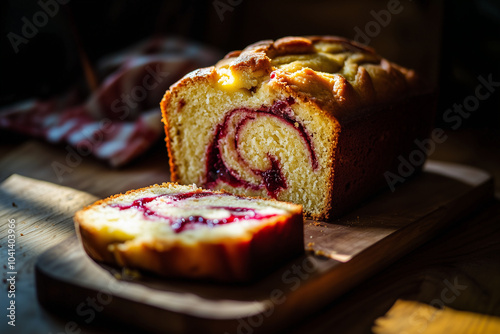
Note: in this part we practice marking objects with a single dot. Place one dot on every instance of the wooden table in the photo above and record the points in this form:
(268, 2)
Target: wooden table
(468, 254)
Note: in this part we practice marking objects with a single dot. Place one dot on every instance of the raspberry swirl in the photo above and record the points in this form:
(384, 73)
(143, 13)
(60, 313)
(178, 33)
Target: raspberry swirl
(228, 159)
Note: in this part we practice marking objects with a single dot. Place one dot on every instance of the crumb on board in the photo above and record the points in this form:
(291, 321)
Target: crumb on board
(131, 273)
(127, 274)
(22, 234)
(321, 253)
(14, 204)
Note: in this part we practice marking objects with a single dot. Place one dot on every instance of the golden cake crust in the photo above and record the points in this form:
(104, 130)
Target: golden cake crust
(358, 77)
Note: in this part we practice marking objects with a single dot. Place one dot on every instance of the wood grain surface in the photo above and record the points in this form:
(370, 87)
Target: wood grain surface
(43, 213)
(466, 251)
(466, 255)
(352, 248)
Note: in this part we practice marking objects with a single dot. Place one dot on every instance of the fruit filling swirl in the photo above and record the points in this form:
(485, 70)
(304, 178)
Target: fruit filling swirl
(187, 211)
(228, 138)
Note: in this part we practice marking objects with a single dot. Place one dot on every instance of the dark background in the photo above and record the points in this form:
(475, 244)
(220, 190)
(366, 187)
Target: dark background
(449, 42)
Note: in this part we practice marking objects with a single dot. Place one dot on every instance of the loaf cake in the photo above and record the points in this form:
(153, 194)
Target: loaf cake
(309, 120)
(188, 232)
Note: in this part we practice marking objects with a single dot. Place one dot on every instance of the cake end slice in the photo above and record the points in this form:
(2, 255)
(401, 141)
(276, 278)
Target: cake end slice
(187, 232)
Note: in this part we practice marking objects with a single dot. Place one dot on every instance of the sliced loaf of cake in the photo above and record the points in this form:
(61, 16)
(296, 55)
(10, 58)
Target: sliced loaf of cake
(309, 120)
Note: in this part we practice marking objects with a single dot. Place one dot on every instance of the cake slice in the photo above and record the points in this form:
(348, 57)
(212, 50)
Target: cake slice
(188, 232)
(315, 121)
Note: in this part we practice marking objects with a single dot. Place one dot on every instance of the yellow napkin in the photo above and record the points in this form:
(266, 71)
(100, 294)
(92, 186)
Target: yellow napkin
(409, 317)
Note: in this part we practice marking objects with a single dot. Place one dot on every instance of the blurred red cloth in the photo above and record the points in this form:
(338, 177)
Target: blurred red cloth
(121, 119)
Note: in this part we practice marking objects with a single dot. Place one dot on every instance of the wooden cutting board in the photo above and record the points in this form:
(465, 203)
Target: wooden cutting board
(340, 255)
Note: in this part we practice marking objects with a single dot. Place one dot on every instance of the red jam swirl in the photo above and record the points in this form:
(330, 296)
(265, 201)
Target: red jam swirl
(180, 224)
(273, 179)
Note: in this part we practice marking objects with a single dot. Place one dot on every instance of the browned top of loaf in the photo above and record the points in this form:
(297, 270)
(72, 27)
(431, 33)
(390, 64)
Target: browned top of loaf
(339, 75)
